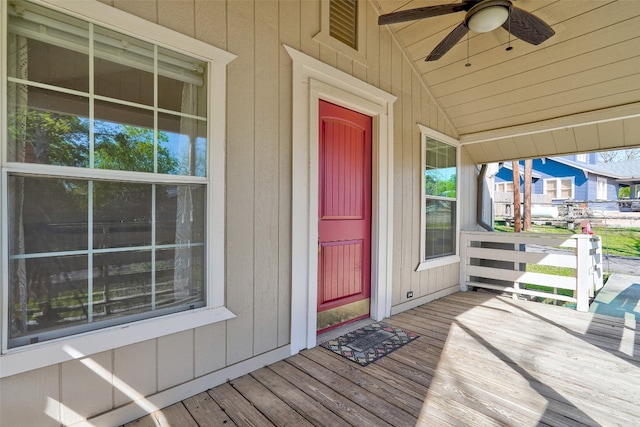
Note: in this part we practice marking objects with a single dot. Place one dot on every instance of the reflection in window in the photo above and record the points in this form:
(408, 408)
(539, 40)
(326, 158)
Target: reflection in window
(125, 125)
(89, 250)
(131, 258)
(440, 198)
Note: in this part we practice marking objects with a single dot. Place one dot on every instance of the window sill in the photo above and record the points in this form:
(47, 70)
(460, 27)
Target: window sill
(438, 262)
(36, 356)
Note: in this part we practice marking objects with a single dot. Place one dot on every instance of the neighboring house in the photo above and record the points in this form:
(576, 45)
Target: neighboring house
(563, 179)
(173, 173)
(623, 174)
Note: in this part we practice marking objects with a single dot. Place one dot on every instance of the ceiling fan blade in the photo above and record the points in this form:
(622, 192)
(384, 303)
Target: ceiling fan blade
(448, 42)
(423, 12)
(527, 27)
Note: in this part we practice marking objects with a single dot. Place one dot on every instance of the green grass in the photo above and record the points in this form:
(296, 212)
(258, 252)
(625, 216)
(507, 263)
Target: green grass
(623, 241)
(557, 271)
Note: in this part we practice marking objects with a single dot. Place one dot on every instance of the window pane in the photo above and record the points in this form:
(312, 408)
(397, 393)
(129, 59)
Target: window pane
(47, 127)
(183, 140)
(49, 50)
(551, 188)
(180, 277)
(181, 83)
(122, 284)
(46, 294)
(440, 169)
(123, 67)
(124, 138)
(565, 191)
(180, 218)
(122, 214)
(601, 188)
(56, 222)
(440, 228)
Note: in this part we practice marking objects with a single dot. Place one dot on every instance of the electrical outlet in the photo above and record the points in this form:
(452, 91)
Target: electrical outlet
(410, 294)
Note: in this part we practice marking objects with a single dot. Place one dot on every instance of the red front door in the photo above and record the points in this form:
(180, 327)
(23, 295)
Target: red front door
(344, 216)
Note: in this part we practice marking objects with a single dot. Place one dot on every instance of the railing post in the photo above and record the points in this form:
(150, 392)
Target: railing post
(584, 278)
(516, 267)
(464, 241)
(597, 264)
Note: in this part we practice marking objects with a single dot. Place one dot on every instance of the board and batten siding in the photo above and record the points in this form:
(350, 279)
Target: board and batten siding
(258, 215)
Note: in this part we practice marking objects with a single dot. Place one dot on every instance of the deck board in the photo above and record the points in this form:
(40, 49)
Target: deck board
(300, 401)
(481, 360)
(206, 412)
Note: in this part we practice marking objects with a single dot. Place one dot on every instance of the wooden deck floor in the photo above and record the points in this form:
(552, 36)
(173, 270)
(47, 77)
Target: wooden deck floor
(481, 360)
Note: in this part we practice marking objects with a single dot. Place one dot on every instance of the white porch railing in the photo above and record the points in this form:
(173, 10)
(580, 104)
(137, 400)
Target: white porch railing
(499, 261)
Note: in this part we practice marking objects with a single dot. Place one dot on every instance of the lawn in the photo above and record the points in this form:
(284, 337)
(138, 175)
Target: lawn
(624, 241)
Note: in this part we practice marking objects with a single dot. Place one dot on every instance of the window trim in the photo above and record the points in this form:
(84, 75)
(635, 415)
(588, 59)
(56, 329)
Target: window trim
(324, 37)
(25, 358)
(426, 264)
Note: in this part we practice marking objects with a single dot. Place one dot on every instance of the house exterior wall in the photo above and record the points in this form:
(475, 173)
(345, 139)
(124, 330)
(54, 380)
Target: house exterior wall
(585, 186)
(258, 231)
(611, 194)
(546, 170)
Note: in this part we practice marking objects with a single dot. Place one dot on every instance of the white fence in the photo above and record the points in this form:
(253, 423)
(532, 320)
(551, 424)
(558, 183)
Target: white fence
(499, 261)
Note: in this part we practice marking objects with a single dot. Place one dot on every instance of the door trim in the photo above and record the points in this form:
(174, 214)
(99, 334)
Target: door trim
(312, 81)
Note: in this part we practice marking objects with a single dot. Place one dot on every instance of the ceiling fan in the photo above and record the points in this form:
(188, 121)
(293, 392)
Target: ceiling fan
(482, 16)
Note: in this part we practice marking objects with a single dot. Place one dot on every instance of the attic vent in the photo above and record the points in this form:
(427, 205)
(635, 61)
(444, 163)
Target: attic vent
(343, 21)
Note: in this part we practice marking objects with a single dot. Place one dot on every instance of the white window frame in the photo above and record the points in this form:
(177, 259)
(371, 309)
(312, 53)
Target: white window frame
(558, 181)
(324, 37)
(601, 188)
(25, 358)
(447, 259)
(504, 184)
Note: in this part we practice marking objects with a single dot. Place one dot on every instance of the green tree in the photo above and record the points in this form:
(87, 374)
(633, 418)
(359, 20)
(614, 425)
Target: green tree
(63, 140)
(440, 182)
(50, 138)
(131, 148)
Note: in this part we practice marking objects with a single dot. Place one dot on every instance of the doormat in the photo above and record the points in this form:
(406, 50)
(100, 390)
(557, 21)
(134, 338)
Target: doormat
(370, 343)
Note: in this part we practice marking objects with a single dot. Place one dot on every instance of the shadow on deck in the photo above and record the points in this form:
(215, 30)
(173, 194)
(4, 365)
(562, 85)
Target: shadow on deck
(481, 360)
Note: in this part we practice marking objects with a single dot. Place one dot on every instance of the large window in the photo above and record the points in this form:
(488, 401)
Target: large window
(504, 187)
(107, 170)
(440, 198)
(558, 188)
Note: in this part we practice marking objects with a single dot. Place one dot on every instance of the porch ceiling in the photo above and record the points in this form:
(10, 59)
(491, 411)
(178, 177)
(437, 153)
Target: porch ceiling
(578, 91)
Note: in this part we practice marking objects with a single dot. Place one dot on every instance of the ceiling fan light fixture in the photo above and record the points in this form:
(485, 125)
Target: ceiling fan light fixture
(487, 16)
